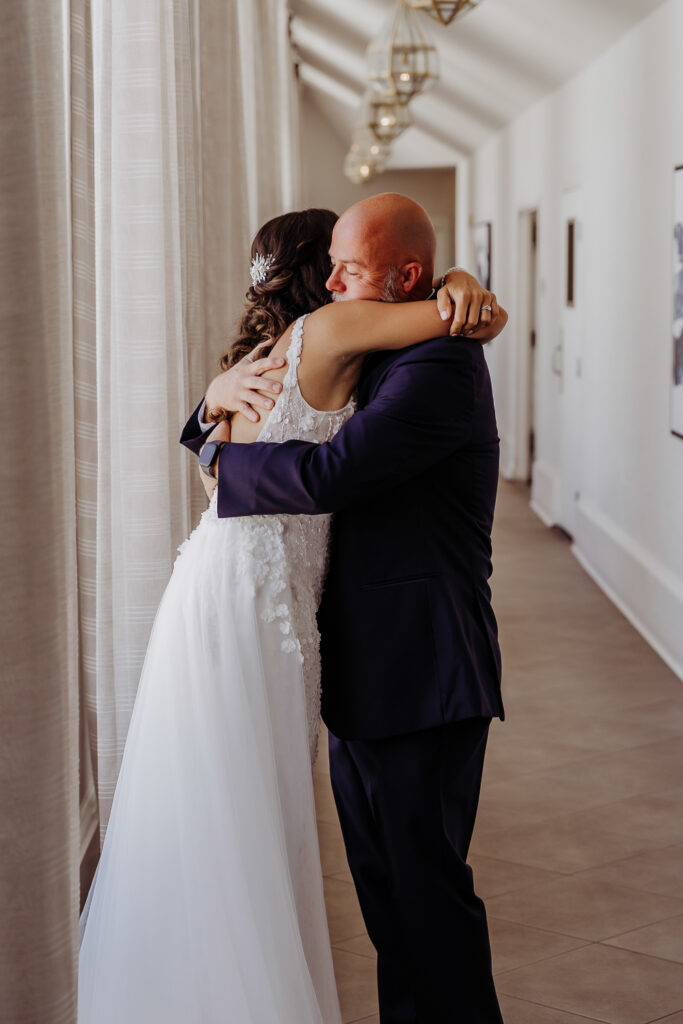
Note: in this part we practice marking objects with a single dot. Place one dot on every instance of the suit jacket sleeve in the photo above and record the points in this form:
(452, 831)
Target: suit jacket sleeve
(422, 412)
(193, 433)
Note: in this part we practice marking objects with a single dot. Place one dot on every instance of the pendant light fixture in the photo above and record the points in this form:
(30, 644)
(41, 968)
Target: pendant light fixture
(358, 170)
(401, 62)
(366, 144)
(444, 11)
(386, 118)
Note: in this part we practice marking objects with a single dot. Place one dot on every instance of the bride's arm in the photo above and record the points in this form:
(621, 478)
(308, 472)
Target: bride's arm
(356, 326)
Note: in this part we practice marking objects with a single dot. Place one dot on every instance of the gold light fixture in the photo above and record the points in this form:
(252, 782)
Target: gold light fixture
(386, 118)
(358, 169)
(401, 62)
(444, 11)
(369, 148)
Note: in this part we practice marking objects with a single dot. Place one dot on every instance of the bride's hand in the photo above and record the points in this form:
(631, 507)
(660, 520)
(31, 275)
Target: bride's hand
(239, 388)
(462, 298)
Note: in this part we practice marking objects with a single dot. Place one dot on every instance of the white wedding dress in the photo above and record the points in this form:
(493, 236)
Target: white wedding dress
(207, 903)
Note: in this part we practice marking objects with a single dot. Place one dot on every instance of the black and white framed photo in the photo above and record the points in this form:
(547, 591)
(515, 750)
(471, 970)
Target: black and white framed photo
(482, 253)
(677, 332)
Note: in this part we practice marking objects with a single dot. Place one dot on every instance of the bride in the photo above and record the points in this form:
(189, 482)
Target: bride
(207, 903)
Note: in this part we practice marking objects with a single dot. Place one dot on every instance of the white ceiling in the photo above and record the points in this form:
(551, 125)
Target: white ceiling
(496, 61)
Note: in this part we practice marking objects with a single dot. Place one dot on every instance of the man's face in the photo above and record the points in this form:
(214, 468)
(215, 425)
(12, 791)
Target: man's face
(356, 272)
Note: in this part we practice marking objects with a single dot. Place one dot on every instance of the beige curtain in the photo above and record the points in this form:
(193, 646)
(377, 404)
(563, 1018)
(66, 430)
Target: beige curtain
(39, 826)
(143, 142)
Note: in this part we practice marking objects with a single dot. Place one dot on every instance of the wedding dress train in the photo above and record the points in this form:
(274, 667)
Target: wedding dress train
(207, 903)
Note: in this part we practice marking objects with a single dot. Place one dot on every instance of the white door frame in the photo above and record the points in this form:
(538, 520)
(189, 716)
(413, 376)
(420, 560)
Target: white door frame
(527, 320)
(569, 361)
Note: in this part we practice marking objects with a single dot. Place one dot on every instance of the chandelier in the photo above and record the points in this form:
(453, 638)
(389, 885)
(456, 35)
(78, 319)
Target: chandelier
(444, 11)
(386, 118)
(366, 157)
(358, 170)
(401, 62)
(366, 144)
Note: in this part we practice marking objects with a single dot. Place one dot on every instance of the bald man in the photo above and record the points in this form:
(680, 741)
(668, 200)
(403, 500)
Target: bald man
(410, 658)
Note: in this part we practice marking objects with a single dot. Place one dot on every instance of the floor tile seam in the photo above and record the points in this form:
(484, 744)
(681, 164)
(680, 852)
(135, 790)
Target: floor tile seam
(534, 928)
(644, 927)
(364, 956)
(638, 952)
(541, 960)
(586, 940)
(587, 753)
(571, 814)
(557, 818)
(549, 1006)
(627, 885)
(579, 872)
(650, 956)
(555, 774)
(601, 940)
(350, 938)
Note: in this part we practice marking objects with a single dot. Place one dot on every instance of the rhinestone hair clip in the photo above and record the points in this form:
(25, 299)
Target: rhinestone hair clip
(260, 265)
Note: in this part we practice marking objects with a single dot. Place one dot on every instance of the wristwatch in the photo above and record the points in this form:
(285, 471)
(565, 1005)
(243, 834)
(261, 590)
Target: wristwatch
(208, 456)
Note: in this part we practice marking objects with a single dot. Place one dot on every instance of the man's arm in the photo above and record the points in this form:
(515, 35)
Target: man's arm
(194, 433)
(243, 388)
(422, 414)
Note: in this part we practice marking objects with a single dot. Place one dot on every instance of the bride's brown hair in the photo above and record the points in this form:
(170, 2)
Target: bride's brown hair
(294, 282)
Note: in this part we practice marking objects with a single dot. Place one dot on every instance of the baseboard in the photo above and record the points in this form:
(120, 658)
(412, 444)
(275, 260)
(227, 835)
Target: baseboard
(507, 459)
(643, 589)
(543, 493)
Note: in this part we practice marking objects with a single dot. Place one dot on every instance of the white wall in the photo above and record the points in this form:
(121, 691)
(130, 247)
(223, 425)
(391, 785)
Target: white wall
(616, 131)
(324, 183)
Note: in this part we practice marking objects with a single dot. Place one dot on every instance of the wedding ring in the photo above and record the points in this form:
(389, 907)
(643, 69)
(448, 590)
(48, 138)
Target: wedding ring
(486, 307)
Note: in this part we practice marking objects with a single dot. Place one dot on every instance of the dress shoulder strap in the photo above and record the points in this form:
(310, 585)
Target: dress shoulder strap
(293, 354)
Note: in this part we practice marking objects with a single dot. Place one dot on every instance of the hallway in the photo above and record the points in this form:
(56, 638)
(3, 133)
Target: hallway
(578, 849)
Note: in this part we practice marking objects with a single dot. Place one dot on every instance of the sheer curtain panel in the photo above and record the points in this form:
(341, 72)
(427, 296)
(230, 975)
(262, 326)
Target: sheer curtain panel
(184, 138)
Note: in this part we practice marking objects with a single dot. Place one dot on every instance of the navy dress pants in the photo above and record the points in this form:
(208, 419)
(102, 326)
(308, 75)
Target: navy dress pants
(407, 806)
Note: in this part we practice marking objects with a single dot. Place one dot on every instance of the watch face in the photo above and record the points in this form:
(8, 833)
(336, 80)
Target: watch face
(208, 453)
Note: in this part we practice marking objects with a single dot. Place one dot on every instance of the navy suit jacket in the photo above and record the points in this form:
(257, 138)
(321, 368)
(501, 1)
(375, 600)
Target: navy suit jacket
(408, 634)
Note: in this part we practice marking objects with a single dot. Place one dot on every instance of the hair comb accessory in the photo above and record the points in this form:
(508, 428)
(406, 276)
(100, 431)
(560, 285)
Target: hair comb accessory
(260, 265)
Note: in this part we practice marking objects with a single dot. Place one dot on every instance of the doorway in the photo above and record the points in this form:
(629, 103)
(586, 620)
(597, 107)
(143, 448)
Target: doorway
(569, 361)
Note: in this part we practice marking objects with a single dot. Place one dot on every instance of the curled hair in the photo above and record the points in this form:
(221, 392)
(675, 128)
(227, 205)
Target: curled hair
(295, 281)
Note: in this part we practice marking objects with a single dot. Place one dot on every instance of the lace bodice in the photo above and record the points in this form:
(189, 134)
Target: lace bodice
(285, 556)
(292, 417)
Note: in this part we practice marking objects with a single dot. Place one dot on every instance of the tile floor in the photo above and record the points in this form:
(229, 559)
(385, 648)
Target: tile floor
(578, 849)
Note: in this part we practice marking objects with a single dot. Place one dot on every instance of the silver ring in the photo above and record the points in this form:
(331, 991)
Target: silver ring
(487, 307)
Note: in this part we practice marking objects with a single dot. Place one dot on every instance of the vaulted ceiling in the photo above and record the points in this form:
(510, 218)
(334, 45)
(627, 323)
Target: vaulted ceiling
(496, 61)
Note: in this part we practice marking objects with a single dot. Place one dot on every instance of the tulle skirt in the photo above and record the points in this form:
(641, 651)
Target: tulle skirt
(207, 904)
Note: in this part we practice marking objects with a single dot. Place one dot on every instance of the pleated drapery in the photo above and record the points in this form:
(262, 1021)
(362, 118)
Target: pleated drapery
(39, 822)
(143, 143)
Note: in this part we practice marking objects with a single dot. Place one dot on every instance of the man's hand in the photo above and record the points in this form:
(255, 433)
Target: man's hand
(239, 388)
(461, 299)
(221, 432)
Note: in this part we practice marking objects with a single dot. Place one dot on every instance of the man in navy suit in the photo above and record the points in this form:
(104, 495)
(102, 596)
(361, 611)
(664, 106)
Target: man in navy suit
(410, 657)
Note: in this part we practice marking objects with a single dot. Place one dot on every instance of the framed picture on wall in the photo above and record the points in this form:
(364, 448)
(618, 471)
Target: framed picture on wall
(677, 332)
(482, 253)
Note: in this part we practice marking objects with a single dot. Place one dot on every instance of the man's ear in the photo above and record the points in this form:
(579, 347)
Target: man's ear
(411, 273)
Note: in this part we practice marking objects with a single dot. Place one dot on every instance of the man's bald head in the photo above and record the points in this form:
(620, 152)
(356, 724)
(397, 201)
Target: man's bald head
(385, 235)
